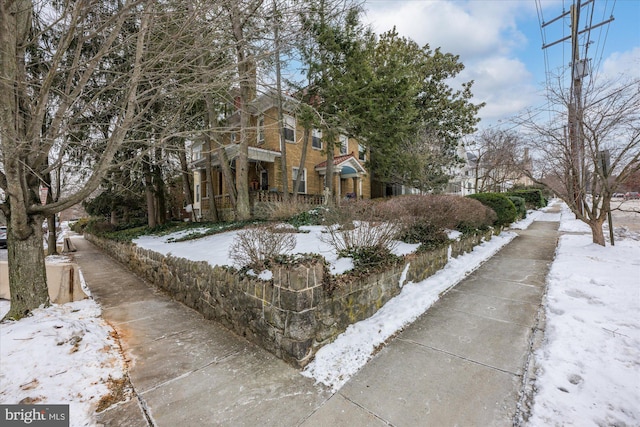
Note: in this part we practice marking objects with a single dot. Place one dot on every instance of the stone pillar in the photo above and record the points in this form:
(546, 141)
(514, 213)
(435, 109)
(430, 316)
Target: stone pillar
(297, 291)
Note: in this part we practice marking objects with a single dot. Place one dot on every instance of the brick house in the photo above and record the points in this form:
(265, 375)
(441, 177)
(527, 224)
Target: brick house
(350, 178)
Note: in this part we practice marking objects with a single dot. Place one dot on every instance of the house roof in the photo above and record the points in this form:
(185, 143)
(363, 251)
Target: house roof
(346, 165)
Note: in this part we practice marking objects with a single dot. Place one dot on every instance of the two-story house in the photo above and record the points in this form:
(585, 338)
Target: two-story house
(350, 178)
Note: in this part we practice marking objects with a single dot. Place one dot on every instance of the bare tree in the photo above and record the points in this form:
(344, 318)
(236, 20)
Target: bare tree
(76, 77)
(498, 160)
(609, 153)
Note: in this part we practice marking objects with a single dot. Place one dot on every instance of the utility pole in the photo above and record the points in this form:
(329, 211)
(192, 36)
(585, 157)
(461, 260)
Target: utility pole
(579, 70)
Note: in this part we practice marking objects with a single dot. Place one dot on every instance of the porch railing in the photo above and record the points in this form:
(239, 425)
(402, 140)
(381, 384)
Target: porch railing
(276, 197)
(223, 201)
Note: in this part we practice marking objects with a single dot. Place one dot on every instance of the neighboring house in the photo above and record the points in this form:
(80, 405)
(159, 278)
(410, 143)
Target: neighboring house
(463, 178)
(480, 175)
(350, 178)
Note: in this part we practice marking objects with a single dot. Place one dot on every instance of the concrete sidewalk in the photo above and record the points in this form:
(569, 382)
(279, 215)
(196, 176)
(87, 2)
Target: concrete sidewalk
(461, 363)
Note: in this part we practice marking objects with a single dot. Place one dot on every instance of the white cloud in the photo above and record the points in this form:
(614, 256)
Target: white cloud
(503, 83)
(484, 34)
(627, 63)
(469, 29)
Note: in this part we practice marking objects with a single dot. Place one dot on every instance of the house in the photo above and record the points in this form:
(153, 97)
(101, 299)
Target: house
(350, 178)
(463, 177)
(479, 174)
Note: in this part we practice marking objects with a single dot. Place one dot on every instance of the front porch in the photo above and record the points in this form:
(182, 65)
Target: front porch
(259, 200)
(265, 178)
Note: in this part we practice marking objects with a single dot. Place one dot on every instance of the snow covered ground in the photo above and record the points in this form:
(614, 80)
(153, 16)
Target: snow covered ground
(64, 354)
(589, 363)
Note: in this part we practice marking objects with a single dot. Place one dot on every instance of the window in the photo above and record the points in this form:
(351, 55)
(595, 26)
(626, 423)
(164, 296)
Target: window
(233, 137)
(362, 153)
(344, 144)
(316, 139)
(197, 152)
(303, 180)
(289, 129)
(260, 130)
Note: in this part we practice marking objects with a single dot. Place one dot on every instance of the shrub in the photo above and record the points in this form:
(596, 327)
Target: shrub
(356, 229)
(357, 235)
(429, 215)
(80, 225)
(428, 235)
(534, 197)
(365, 258)
(98, 226)
(521, 207)
(254, 246)
(310, 217)
(503, 207)
(282, 211)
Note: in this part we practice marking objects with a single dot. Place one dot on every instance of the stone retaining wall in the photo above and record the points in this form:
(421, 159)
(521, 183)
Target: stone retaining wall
(293, 314)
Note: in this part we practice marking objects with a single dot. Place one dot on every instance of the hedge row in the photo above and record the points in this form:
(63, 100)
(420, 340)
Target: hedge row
(521, 206)
(534, 198)
(500, 203)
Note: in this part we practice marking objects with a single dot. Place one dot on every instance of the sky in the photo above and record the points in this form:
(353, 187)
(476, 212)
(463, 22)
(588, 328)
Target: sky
(587, 363)
(500, 43)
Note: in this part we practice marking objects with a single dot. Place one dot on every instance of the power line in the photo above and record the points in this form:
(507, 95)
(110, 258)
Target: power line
(580, 42)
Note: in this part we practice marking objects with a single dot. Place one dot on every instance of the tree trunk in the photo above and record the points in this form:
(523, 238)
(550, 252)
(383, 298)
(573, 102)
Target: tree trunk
(329, 170)
(212, 213)
(303, 158)
(597, 234)
(243, 207)
(159, 188)
(283, 144)
(27, 272)
(227, 174)
(187, 188)
(222, 157)
(52, 248)
(247, 76)
(148, 191)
